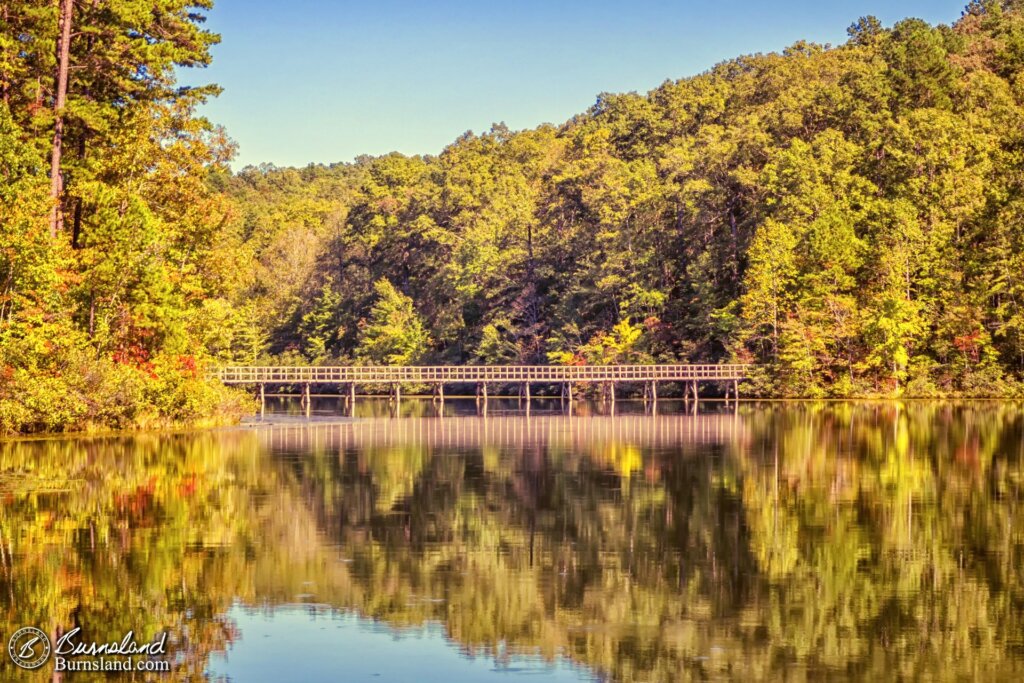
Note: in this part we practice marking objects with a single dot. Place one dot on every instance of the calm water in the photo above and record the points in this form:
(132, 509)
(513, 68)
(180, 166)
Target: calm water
(795, 542)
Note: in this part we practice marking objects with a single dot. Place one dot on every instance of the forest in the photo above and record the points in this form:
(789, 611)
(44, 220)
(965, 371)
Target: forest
(850, 218)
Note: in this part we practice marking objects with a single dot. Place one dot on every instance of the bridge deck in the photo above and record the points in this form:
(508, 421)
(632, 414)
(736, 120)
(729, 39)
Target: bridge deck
(454, 374)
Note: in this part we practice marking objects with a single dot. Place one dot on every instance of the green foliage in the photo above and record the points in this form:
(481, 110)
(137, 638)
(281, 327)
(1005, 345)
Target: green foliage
(110, 323)
(319, 327)
(394, 334)
(848, 216)
(495, 347)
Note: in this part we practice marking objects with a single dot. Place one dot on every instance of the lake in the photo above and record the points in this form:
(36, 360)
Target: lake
(781, 541)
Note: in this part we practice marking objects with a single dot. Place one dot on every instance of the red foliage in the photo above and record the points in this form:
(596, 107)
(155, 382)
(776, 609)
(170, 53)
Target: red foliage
(189, 366)
(133, 352)
(137, 357)
(968, 345)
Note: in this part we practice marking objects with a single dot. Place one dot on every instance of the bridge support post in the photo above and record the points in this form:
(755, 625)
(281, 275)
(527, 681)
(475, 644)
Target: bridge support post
(307, 399)
(481, 396)
(440, 392)
(263, 400)
(650, 392)
(736, 391)
(352, 399)
(398, 392)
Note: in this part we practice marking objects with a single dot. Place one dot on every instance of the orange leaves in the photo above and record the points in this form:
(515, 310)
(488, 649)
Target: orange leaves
(969, 344)
(189, 367)
(136, 356)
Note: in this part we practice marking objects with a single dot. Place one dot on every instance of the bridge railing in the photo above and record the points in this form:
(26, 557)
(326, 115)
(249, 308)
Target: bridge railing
(480, 373)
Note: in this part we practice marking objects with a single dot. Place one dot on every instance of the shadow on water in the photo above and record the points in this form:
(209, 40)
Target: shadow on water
(846, 541)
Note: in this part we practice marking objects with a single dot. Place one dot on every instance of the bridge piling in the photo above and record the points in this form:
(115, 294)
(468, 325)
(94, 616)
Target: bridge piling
(650, 392)
(481, 396)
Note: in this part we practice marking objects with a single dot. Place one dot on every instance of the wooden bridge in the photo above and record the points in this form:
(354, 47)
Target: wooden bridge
(484, 375)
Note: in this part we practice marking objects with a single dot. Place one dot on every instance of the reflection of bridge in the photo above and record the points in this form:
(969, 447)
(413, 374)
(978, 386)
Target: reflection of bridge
(482, 375)
(472, 432)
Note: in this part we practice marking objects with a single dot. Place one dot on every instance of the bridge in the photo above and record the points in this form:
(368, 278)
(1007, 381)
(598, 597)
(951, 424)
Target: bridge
(484, 375)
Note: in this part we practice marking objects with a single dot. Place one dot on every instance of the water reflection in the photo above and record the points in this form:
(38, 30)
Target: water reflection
(300, 643)
(844, 541)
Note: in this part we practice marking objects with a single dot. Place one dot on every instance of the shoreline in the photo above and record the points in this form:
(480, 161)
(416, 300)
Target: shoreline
(254, 421)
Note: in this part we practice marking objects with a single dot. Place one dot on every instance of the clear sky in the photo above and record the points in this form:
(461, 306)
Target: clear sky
(327, 80)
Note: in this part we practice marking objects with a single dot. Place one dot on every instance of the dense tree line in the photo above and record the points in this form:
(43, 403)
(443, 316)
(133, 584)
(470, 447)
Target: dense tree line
(848, 216)
(109, 230)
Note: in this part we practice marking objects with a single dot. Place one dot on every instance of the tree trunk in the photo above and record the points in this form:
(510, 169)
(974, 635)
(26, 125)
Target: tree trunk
(5, 90)
(61, 93)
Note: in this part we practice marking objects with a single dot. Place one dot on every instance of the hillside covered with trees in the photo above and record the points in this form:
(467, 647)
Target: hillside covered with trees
(851, 217)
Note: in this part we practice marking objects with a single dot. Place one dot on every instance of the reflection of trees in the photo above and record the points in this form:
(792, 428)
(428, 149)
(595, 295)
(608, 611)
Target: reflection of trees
(613, 553)
(899, 529)
(857, 540)
(116, 535)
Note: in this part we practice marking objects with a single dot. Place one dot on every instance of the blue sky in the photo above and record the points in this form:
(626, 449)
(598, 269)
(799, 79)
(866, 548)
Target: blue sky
(323, 81)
